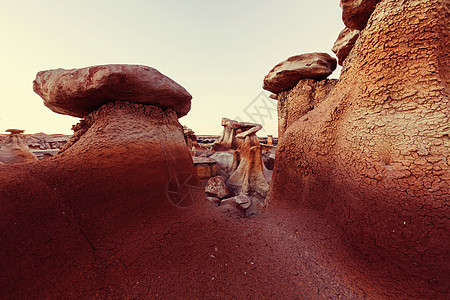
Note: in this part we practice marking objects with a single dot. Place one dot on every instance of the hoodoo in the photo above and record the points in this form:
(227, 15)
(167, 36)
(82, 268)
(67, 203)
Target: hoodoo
(15, 148)
(373, 154)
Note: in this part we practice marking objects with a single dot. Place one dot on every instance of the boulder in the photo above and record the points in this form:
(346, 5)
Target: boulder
(344, 43)
(356, 13)
(373, 155)
(216, 187)
(224, 160)
(14, 148)
(288, 73)
(78, 92)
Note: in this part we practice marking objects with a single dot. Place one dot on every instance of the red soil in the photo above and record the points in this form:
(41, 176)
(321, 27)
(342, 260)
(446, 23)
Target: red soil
(75, 231)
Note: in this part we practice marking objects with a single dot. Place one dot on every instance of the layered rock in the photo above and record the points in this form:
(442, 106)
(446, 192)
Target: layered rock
(345, 43)
(356, 13)
(14, 148)
(288, 73)
(373, 155)
(77, 92)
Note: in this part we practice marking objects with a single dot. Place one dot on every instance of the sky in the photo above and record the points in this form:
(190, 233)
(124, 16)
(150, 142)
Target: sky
(219, 51)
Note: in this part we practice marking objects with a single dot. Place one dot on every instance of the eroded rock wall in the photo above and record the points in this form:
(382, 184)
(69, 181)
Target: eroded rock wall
(374, 155)
(293, 104)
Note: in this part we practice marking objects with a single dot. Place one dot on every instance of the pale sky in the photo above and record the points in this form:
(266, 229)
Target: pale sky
(219, 51)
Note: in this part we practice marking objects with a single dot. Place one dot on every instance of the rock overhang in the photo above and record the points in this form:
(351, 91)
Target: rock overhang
(78, 92)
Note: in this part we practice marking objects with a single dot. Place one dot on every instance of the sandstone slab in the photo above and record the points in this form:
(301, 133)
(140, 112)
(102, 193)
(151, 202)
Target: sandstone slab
(356, 13)
(344, 43)
(288, 73)
(77, 92)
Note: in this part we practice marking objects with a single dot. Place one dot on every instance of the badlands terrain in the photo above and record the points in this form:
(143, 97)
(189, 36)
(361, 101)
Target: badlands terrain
(350, 202)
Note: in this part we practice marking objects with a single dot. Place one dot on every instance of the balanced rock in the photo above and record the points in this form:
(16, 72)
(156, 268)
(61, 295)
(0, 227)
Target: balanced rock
(344, 43)
(216, 187)
(288, 73)
(78, 92)
(15, 148)
(356, 13)
(231, 129)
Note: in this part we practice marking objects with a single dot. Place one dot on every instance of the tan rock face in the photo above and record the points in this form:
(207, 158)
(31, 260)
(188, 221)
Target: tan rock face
(78, 92)
(374, 154)
(306, 95)
(288, 73)
(344, 44)
(248, 170)
(15, 148)
(356, 13)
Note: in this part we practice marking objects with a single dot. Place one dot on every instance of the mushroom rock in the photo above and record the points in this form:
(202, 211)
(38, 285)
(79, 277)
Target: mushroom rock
(294, 104)
(77, 92)
(288, 73)
(373, 156)
(15, 148)
(248, 170)
(345, 43)
(356, 13)
(231, 128)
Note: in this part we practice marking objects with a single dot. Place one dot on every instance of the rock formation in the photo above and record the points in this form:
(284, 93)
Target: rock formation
(231, 128)
(356, 13)
(247, 175)
(373, 155)
(190, 138)
(344, 44)
(306, 95)
(15, 148)
(78, 92)
(205, 167)
(288, 73)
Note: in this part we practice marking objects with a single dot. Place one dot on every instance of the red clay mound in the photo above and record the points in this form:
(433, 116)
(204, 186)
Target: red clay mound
(374, 154)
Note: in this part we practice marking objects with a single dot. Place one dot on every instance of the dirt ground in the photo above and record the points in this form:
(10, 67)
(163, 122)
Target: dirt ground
(68, 238)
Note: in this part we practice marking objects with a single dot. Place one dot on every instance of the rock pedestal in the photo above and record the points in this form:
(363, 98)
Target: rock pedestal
(247, 175)
(15, 148)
